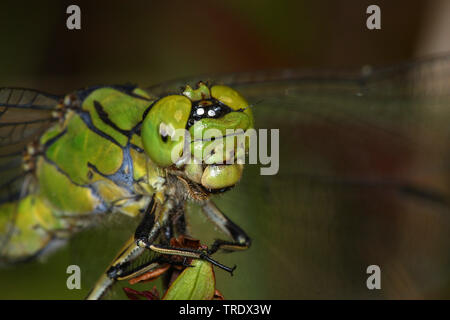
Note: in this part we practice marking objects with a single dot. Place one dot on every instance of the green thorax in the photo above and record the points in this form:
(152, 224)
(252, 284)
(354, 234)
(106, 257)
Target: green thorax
(94, 159)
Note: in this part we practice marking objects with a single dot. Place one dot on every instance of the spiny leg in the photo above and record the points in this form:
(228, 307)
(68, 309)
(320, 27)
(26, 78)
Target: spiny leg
(144, 238)
(128, 253)
(148, 230)
(190, 253)
(241, 241)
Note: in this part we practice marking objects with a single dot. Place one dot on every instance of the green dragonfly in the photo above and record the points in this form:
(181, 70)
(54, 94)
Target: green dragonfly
(364, 178)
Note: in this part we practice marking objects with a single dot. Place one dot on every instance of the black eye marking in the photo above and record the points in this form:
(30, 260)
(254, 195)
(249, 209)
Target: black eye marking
(210, 108)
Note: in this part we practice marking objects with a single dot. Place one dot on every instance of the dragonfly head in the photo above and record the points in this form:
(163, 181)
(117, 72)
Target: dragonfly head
(201, 132)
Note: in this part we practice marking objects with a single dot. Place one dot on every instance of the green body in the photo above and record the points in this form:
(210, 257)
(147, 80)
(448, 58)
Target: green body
(88, 166)
(94, 161)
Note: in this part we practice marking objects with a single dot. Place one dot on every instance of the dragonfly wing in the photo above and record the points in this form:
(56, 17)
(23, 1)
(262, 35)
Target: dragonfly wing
(363, 179)
(24, 115)
(388, 126)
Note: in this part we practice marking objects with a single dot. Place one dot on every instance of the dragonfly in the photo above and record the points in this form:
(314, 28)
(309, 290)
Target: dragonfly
(114, 150)
(363, 179)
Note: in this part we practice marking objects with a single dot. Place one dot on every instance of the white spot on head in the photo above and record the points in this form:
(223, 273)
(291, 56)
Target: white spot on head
(211, 113)
(200, 111)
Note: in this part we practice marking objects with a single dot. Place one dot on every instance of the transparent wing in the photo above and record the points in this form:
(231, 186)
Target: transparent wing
(364, 179)
(24, 116)
(388, 126)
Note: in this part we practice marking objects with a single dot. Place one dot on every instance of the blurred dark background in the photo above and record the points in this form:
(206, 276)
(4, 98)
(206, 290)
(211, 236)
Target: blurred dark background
(147, 42)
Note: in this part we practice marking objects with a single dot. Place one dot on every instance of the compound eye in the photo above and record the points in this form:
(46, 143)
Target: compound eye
(229, 97)
(165, 117)
(211, 113)
(200, 111)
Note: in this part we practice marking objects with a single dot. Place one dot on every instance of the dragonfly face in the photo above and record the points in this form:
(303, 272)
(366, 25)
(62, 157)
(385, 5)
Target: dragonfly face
(196, 114)
(363, 180)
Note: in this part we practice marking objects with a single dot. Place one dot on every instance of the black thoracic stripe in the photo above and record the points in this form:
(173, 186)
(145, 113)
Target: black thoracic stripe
(86, 117)
(105, 118)
(63, 172)
(55, 138)
(128, 133)
(102, 208)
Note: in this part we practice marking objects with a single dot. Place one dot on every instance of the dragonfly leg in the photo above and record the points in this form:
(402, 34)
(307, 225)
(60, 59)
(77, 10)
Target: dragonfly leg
(240, 239)
(148, 230)
(130, 251)
(189, 253)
